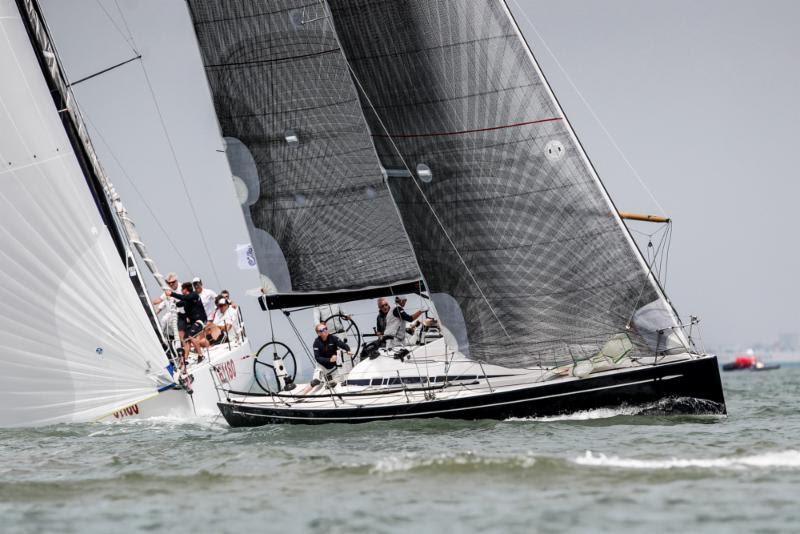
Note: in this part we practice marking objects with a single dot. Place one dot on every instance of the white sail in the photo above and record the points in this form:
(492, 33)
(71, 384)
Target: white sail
(76, 342)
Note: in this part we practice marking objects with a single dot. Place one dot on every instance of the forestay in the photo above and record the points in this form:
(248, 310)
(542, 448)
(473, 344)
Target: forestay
(506, 215)
(282, 88)
(77, 343)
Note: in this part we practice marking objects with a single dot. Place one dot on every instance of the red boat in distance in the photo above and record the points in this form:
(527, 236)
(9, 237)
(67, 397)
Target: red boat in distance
(749, 362)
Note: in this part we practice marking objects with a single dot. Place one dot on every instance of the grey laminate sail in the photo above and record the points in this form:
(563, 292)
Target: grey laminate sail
(510, 219)
(282, 88)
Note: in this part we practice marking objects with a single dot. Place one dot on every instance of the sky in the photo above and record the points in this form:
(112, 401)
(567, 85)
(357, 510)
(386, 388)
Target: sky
(687, 109)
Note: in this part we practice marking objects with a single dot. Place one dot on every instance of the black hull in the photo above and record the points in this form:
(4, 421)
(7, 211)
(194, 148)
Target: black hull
(768, 367)
(697, 379)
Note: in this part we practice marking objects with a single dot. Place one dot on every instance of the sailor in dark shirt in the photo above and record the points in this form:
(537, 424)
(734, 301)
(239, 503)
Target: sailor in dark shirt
(195, 315)
(325, 347)
(383, 311)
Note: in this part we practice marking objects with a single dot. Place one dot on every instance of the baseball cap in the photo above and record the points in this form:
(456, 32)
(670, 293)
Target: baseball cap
(196, 280)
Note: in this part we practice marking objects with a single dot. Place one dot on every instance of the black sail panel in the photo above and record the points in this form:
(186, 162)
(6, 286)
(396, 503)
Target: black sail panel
(281, 87)
(510, 220)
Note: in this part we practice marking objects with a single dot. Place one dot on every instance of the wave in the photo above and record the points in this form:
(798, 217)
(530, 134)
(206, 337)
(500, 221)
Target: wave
(599, 413)
(784, 459)
(468, 460)
(676, 406)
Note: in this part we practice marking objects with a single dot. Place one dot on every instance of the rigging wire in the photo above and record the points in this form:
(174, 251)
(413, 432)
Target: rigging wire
(138, 192)
(128, 39)
(588, 107)
(413, 179)
(162, 121)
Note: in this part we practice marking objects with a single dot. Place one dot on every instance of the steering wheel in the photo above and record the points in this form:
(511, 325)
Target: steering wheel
(264, 365)
(349, 332)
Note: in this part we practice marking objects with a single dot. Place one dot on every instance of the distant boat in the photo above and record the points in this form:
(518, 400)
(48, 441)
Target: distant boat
(749, 362)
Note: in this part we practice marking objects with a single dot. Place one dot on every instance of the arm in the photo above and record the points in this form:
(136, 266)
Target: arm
(341, 344)
(318, 353)
(180, 296)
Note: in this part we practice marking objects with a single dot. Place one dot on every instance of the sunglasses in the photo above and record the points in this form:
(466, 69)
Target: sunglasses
(384, 305)
(321, 330)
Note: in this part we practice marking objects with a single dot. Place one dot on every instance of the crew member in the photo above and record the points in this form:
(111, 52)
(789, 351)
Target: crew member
(207, 296)
(383, 313)
(195, 318)
(325, 347)
(396, 322)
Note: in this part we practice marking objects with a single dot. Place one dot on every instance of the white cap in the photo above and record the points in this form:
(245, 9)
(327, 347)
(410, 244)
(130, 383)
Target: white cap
(196, 280)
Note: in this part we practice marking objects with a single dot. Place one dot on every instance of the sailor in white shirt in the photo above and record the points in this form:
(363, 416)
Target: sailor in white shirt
(207, 296)
(223, 319)
(160, 304)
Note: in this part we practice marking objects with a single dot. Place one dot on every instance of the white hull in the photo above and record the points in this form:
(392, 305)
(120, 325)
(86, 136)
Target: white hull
(228, 367)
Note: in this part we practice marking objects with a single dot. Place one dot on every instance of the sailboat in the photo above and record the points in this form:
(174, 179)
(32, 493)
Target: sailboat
(440, 111)
(82, 342)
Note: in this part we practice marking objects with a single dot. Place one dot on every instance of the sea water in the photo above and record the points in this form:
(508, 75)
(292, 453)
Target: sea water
(599, 471)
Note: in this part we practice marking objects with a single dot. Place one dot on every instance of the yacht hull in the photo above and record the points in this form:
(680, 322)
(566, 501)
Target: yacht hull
(694, 386)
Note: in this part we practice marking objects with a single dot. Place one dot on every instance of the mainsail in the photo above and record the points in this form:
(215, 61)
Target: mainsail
(282, 89)
(509, 218)
(77, 342)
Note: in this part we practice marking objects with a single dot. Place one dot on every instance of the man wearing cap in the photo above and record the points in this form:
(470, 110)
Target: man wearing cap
(396, 322)
(225, 319)
(160, 304)
(207, 296)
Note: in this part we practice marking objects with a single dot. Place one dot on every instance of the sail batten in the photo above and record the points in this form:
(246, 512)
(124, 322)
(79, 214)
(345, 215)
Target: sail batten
(510, 218)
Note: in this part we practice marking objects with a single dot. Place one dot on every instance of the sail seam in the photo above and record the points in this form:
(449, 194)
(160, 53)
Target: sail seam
(473, 130)
(275, 60)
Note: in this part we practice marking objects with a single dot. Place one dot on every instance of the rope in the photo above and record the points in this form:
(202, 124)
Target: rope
(138, 192)
(173, 153)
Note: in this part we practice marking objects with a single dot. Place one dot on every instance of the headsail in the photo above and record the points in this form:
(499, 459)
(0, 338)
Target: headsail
(77, 342)
(282, 89)
(509, 217)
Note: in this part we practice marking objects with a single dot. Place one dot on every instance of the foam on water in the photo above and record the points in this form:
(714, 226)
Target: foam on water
(600, 413)
(412, 461)
(785, 459)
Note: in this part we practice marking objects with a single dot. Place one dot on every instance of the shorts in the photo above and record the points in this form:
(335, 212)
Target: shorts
(181, 323)
(216, 341)
(194, 329)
